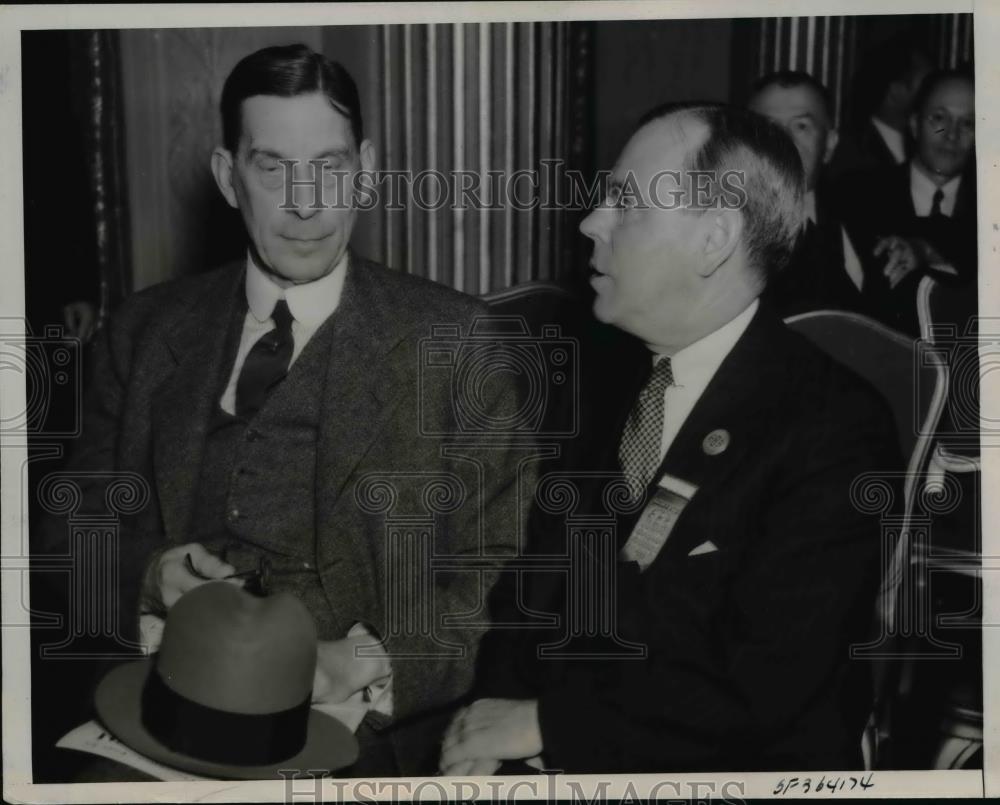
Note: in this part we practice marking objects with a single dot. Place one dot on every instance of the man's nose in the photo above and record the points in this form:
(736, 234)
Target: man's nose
(593, 225)
(307, 190)
(304, 208)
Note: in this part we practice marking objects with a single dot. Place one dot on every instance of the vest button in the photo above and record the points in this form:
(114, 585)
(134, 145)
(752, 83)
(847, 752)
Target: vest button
(252, 435)
(234, 514)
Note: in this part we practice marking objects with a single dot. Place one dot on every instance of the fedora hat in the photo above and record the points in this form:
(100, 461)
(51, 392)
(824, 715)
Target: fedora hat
(228, 693)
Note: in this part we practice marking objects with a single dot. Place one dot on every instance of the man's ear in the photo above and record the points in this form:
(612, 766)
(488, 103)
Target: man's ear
(722, 236)
(222, 170)
(914, 123)
(832, 138)
(367, 154)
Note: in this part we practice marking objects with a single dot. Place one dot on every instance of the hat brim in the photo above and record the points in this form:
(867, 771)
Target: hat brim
(329, 744)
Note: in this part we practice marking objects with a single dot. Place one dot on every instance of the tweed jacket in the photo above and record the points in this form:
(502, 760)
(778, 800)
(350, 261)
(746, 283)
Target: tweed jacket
(391, 455)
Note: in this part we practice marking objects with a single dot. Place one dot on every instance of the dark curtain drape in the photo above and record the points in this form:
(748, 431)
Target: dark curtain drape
(98, 60)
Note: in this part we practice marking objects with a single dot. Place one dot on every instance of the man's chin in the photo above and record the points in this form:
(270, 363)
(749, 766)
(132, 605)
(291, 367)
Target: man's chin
(299, 273)
(603, 310)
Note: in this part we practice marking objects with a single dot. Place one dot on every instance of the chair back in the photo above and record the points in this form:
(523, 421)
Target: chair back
(909, 375)
(913, 380)
(537, 302)
(950, 325)
(542, 323)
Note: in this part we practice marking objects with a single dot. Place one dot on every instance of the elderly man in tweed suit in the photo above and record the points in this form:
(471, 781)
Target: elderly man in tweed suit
(262, 400)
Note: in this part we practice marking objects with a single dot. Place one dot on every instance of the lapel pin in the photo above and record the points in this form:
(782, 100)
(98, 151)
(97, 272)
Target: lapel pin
(716, 442)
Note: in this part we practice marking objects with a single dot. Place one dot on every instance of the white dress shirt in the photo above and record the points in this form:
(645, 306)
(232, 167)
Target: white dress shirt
(892, 138)
(852, 263)
(922, 190)
(693, 367)
(310, 304)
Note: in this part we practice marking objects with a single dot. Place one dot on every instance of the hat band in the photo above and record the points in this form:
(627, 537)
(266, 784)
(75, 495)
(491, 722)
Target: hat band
(219, 736)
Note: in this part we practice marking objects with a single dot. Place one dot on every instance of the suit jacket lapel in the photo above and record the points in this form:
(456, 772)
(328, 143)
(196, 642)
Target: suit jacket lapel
(734, 406)
(182, 404)
(365, 376)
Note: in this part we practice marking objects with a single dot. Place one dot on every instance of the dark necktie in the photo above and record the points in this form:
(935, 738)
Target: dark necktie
(639, 451)
(936, 203)
(266, 364)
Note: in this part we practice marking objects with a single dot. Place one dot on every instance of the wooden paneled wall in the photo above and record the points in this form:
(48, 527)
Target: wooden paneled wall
(465, 97)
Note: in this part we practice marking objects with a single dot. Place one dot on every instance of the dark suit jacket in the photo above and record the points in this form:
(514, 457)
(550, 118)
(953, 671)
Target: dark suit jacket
(747, 661)
(880, 204)
(156, 384)
(815, 278)
(861, 150)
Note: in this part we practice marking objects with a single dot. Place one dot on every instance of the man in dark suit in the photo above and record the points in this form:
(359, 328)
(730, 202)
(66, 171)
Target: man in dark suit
(921, 218)
(275, 408)
(877, 134)
(825, 271)
(743, 570)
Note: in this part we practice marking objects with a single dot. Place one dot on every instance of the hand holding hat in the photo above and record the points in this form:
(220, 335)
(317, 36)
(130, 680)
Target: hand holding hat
(229, 692)
(176, 570)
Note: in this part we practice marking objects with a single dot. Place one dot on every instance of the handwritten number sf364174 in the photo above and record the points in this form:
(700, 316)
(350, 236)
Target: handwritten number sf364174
(823, 784)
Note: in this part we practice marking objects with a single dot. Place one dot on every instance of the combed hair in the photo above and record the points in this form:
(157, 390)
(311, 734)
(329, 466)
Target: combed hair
(287, 71)
(788, 79)
(935, 79)
(774, 183)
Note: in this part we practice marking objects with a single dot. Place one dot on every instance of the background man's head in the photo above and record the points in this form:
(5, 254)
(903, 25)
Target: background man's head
(670, 271)
(888, 80)
(801, 106)
(292, 103)
(943, 124)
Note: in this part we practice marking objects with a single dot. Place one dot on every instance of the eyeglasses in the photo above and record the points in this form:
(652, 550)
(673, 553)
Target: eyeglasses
(941, 121)
(256, 582)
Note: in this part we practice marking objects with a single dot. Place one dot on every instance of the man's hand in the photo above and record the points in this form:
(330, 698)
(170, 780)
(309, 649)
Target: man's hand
(341, 673)
(170, 575)
(483, 767)
(489, 731)
(80, 318)
(904, 258)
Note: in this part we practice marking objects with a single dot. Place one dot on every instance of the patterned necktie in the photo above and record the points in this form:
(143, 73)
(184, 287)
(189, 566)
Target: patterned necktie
(639, 451)
(936, 203)
(266, 364)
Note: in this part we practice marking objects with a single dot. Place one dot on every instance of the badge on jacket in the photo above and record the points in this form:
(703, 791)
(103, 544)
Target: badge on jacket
(657, 521)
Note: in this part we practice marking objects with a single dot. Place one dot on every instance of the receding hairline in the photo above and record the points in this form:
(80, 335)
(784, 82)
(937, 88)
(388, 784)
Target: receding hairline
(686, 127)
(948, 82)
(814, 93)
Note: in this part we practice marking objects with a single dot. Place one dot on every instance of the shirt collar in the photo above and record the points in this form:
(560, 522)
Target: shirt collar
(923, 189)
(694, 366)
(310, 303)
(893, 140)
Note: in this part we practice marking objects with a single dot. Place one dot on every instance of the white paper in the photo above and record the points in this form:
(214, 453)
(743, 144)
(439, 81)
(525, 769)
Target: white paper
(93, 738)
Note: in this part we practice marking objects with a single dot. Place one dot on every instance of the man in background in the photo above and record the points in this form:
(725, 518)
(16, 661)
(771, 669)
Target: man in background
(919, 218)
(884, 89)
(825, 271)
